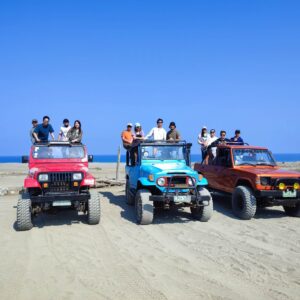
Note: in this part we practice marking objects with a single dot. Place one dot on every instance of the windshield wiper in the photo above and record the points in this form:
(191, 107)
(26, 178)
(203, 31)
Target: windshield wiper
(245, 163)
(264, 164)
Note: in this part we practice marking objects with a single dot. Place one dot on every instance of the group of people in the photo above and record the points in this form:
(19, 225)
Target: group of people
(133, 135)
(209, 142)
(39, 133)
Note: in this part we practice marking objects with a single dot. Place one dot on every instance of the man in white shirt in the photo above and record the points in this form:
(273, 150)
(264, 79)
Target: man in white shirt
(157, 133)
(212, 139)
(64, 131)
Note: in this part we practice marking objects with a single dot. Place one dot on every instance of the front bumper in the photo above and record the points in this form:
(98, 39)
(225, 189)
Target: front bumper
(48, 198)
(179, 198)
(276, 197)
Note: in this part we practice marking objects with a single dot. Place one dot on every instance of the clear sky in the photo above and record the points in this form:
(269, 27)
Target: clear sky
(223, 64)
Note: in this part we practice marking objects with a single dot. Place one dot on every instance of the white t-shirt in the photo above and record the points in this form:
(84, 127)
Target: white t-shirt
(212, 139)
(63, 133)
(157, 134)
(201, 141)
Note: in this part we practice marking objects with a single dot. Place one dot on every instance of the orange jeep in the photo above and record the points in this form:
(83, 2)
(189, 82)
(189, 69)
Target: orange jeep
(250, 175)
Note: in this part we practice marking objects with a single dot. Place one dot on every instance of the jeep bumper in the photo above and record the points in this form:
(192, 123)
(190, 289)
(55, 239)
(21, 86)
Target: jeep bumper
(276, 197)
(48, 198)
(179, 198)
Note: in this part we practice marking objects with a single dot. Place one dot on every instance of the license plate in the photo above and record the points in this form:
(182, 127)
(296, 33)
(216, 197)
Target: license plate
(182, 198)
(61, 203)
(289, 194)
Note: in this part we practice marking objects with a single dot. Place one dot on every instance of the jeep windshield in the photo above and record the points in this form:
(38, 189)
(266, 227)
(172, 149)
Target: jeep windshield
(253, 157)
(157, 152)
(58, 152)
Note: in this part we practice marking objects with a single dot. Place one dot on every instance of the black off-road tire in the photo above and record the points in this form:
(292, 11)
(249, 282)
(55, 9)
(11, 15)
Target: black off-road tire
(143, 207)
(292, 211)
(203, 213)
(243, 202)
(94, 209)
(24, 221)
(130, 200)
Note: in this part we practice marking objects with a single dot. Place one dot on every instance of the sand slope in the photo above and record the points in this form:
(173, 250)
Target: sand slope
(175, 258)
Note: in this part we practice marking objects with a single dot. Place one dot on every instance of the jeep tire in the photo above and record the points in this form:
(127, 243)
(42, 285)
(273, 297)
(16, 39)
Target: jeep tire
(292, 211)
(94, 211)
(129, 197)
(143, 207)
(243, 202)
(24, 213)
(203, 213)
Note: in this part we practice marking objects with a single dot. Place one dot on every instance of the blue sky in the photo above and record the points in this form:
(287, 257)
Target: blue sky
(224, 64)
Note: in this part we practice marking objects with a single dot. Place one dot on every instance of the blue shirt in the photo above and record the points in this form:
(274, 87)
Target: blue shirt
(238, 141)
(43, 132)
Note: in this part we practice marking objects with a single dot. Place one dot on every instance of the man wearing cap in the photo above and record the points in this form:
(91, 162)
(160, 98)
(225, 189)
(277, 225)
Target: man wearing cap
(173, 134)
(213, 138)
(157, 133)
(127, 136)
(42, 131)
(34, 124)
(62, 136)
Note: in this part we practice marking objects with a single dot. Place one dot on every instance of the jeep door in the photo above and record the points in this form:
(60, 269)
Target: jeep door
(224, 172)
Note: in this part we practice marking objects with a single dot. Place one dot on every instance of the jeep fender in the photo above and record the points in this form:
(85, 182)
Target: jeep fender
(88, 180)
(203, 182)
(143, 181)
(31, 183)
(244, 182)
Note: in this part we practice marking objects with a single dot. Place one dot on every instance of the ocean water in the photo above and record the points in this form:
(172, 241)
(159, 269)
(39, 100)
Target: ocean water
(280, 157)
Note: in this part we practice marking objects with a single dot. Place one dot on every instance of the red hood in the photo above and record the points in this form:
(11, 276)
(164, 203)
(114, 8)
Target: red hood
(270, 171)
(62, 167)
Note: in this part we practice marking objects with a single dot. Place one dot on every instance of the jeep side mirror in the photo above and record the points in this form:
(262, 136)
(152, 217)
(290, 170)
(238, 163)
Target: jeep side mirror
(90, 158)
(25, 159)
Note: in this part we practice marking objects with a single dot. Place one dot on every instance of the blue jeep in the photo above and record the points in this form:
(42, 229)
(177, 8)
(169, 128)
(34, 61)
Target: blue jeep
(158, 174)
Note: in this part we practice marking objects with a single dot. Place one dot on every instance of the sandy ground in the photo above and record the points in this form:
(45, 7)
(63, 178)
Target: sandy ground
(175, 258)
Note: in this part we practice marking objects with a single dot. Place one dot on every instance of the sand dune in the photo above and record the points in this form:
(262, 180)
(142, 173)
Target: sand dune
(175, 258)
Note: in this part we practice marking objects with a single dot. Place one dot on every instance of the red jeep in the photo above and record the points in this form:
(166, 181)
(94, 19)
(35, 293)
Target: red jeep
(58, 177)
(252, 178)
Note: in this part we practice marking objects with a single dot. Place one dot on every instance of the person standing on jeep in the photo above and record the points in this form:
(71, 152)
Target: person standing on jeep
(203, 141)
(237, 138)
(62, 136)
(42, 131)
(157, 133)
(74, 135)
(173, 134)
(212, 151)
(127, 137)
(222, 140)
(34, 125)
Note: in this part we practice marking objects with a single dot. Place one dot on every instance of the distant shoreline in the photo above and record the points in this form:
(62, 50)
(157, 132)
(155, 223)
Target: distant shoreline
(280, 158)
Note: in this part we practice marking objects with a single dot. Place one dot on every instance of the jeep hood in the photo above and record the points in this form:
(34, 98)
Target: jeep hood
(270, 172)
(172, 167)
(66, 167)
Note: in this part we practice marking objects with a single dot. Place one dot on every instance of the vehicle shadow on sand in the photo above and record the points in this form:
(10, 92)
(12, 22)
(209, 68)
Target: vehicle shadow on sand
(57, 217)
(161, 216)
(222, 204)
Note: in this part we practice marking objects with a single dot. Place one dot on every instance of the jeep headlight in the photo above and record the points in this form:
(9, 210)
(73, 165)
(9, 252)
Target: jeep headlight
(77, 176)
(43, 177)
(191, 181)
(161, 181)
(265, 181)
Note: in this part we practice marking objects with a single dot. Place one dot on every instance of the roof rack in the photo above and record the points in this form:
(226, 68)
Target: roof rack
(168, 142)
(57, 143)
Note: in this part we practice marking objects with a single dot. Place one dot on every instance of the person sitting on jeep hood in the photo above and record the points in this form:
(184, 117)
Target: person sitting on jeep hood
(42, 131)
(173, 134)
(222, 140)
(75, 133)
(62, 136)
(157, 133)
(237, 138)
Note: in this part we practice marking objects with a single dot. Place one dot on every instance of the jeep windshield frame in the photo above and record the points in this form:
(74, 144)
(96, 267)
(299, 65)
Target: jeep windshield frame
(163, 151)
(58, 151)
(253, 157)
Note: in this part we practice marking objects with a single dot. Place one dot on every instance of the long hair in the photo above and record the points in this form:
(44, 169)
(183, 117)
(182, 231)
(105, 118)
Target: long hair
(202, 132)
(79, 125)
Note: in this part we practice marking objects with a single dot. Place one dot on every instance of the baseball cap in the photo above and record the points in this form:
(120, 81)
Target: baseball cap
(129, 124)
(34, 121)
(137, 125)
(172, 124)
(66, 121)
(204, 127)
(159, 120)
